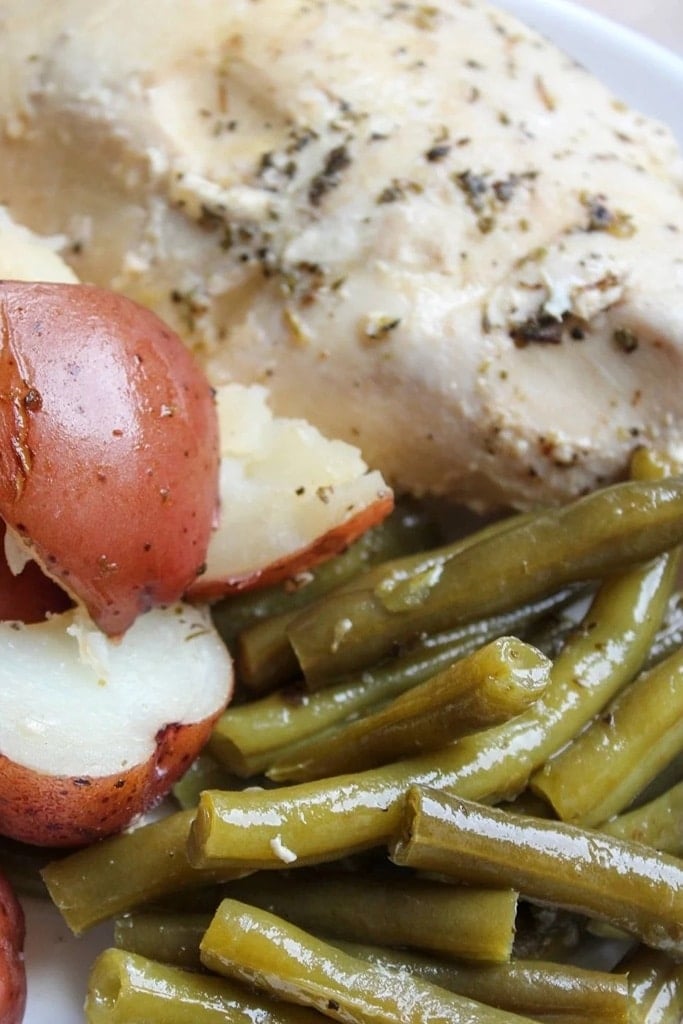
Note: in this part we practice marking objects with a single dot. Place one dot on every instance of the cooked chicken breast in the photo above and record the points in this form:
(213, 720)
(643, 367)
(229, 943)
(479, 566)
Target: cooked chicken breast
(422, 226)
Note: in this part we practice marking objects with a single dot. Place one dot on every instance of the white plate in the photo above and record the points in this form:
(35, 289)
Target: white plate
(640, 72)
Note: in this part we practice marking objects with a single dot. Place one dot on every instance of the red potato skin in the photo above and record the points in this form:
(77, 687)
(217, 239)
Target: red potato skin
(108, 447)
(211, 588)
(57, 810)
(12, 969)
(30, 596)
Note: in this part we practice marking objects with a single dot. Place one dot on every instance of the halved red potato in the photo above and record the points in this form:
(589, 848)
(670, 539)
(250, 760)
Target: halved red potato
(93, 731)
(290, 497)
(12, 968)
(26, 593)
(108, 447)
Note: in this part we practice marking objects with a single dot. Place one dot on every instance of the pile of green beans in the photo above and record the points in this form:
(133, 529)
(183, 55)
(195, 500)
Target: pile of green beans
(253, 737)
(605, 768)
(588, 539)
(635, 889)
(365, 842)
(493, 684)
(254, 624)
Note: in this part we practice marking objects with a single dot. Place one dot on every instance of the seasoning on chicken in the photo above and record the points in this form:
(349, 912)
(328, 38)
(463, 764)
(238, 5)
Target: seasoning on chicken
(426, 229)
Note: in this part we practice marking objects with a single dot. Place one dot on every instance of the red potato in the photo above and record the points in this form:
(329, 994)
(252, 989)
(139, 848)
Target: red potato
(62, 810)
(109, 454)
(290, 497)
(12, 969)
(94, 731)
(109, 479)
(108, 447)
(28, 595)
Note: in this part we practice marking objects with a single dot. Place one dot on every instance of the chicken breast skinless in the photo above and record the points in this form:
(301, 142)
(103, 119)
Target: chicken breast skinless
(423, 227)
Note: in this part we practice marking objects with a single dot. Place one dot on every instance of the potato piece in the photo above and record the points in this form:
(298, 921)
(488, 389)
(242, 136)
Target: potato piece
(290, 497)
(26, 593)
(93, 731)
(108, 447)
(12, 970)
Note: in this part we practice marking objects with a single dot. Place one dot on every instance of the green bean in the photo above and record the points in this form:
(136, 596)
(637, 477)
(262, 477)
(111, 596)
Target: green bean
(22, 865)
(203, 773)
(636, 889)
(264, 653)
(265, 658)
(258, 947)
(670, 635)
(584, 540)
(124, 871)
(602, 771)
(248, 737)
(602, 930)
(491, 685)
(409, 528)
(527, 802)
(656, 987)
(127, 989)
(427, 560)
(540, 989)
(552, 631)
(671, 776)
(171, 937)
(317, 821)
(658, 824)
(455, 921)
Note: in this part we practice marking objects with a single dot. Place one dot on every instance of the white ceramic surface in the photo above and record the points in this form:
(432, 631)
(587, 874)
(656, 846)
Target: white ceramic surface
(642, 73)
(639, 70)
(661, 20)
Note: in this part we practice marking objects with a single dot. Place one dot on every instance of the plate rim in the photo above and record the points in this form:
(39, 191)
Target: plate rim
(659, 95)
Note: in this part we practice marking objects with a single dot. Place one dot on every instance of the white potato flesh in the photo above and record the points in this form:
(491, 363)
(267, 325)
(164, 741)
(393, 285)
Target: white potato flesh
(283, 485)
(75, 703)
